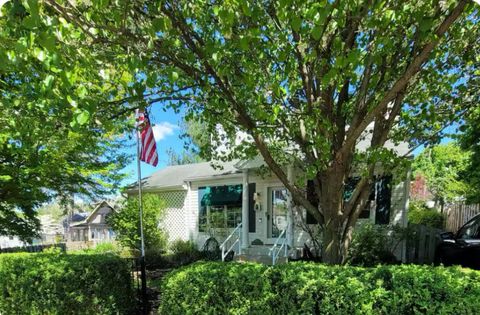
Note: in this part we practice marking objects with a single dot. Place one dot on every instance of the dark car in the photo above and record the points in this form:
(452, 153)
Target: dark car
(462, 248)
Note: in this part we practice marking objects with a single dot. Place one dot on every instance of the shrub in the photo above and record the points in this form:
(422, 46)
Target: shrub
(376, 244)
(180, 246)
(126, 223)
(306, 288)
(181, 253)
(54, 283)
(419, 213)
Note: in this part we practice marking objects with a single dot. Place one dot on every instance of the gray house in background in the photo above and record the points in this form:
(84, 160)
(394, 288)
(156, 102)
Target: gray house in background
(88, 229)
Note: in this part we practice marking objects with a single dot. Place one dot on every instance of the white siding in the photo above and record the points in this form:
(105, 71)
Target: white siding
(181, 219)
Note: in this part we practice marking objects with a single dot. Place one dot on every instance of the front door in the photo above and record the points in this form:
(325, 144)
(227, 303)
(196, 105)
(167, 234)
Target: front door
(277, 212)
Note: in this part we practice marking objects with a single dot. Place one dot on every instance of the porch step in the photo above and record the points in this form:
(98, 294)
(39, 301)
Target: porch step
(259, 254)
(258, 250)
(262, 259)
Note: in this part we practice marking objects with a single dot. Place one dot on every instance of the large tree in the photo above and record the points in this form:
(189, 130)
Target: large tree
(54, 140)
(304, 79)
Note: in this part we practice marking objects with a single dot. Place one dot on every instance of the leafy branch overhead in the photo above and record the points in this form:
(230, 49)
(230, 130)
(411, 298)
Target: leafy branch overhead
(305, 80)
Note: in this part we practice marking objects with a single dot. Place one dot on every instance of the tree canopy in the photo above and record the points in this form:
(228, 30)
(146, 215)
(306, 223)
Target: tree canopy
(470, 140)
(55, 139)
(444, 168)
(195, 136)
(305, 80)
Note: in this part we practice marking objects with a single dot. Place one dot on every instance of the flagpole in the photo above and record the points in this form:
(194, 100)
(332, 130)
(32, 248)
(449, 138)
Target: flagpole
(143, 274)
(139, 171)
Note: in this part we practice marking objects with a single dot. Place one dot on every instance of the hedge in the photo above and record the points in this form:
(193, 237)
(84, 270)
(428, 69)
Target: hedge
(307, 288)
(53, 283)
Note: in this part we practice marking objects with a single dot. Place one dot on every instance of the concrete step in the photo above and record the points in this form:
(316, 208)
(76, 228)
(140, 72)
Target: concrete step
(256, 250)
(262, 259)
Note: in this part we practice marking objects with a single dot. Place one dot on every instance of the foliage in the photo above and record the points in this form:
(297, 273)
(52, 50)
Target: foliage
(55, 210)
(126, 223)
(107, 248)
(468, 139)
(185, 252)
(309, 76)
(181, 253)
(56, 139)
(305, 288)
(375, 244)
(419, 213)
(443, 167)
(181, 246)
(195, 136)
(64, 284)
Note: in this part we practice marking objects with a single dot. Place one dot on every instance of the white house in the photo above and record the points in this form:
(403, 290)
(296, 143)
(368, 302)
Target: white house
(10, 241)
(203, 201)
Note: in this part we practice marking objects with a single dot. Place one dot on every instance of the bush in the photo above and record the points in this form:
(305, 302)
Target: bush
(306, 288)
(126, 223)
(55, 283)
(376, 244)
(180, 246)
(419, 213)
(181, 253)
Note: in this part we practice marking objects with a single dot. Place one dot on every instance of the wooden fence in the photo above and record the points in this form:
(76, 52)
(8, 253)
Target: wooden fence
(421, 244)
(458, 214)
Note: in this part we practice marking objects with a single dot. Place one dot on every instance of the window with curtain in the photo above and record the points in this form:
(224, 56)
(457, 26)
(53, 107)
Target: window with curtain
(219, 206)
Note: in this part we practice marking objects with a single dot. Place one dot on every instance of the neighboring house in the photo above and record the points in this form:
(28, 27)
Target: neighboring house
(51, 231)
(203, 201)
(10, 241)
(90, 228)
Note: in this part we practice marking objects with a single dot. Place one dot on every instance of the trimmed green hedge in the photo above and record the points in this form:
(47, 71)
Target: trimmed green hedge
(64, 284)
(306, 288)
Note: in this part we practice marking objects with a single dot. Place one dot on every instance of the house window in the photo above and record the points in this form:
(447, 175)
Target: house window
(219, 207)
(380, 197)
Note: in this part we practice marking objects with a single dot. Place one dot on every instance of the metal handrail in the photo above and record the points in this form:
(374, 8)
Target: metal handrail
(237, 241)
(274, 252)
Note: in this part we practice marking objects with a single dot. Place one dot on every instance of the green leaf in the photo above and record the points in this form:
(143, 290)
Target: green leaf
(39, 54)
(296, 23)
(174, 76)
(317, 32)
(161, 24)
(244, 42)
(83, 117)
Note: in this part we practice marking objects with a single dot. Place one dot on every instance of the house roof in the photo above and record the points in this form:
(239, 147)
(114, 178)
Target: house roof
(174, 177)
(98, 206)
(81, 219)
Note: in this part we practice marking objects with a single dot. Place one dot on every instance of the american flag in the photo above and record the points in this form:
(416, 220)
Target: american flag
(148, 148)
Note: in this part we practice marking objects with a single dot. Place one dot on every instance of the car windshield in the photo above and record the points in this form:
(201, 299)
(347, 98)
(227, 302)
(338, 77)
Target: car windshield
(470, 230)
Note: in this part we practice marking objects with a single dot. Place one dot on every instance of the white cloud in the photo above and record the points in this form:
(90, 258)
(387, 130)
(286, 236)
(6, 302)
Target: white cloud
(163, 129)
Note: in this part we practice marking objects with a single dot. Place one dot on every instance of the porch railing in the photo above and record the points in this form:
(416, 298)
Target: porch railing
(234, 238)
(280, 243)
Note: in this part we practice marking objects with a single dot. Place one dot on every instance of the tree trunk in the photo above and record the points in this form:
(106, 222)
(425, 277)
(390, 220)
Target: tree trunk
(332, 252)
(331, 202)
